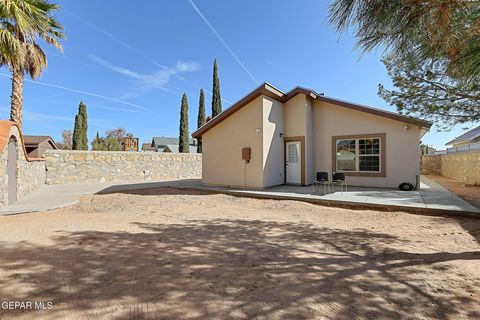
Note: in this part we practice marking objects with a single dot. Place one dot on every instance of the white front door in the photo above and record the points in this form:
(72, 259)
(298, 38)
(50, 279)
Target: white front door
(293, 162)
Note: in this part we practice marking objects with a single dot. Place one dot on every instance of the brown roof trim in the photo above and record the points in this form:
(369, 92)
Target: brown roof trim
(375, 111)
(263, 89)
(272, 92)
(36, 140)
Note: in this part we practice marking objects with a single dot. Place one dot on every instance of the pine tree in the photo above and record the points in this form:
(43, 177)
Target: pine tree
(77, 129)
(216, 98)
(201, 118)
(82, 112)
(183, 138)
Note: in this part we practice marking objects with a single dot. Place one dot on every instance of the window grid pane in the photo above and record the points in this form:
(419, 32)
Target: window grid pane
(358, 155)
(369, 163)
(293, 153)
(369, 146)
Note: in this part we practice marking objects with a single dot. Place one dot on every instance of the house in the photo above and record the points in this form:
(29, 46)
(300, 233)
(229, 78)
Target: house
(129, 144)
(37, 145)
(160, 143)
(271, 138)
(173, 148)
(464, 141)
(148, 147)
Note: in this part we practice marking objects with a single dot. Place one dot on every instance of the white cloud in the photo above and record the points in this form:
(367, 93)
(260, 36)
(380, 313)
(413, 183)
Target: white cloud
(147, 82)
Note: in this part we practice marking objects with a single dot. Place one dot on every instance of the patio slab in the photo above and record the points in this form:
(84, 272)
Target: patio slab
(432, 198)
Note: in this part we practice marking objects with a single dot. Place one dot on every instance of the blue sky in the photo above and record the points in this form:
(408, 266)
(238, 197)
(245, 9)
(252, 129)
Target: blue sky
(131, 63)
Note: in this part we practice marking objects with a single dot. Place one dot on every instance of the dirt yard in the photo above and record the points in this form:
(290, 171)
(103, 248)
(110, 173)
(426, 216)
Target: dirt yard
(171, 254)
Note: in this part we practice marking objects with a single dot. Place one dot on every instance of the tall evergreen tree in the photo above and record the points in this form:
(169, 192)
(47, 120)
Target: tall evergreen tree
(77, 130)
(79, 139)
(201, 118)
(82, 111)
(216, 98)
(183, 146)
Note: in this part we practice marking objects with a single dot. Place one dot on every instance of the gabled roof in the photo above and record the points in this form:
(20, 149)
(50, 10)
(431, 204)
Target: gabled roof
(147, 147)
(174, 148)
(272, 92)
(36, 140)
(163, 141)
(468, 136)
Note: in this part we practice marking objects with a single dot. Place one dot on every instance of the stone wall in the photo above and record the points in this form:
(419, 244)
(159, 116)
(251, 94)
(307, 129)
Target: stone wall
(104, 166)
(461, 166)
(30, 174)
(431, 164)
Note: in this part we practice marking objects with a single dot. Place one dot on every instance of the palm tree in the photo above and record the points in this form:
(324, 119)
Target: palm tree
(22, 23)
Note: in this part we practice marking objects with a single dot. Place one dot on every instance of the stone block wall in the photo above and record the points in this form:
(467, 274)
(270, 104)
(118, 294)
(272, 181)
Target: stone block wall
(461, 166)
(431, 164)
(30, 173)
(64, 166)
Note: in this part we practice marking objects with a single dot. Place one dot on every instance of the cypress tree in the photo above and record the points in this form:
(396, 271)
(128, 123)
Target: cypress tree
(201, 118)
(183, 146)
(216, 99)
(82, 112)
(77, 129)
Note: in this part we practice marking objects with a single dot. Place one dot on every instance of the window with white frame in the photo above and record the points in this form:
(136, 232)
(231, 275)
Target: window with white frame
(358, 155)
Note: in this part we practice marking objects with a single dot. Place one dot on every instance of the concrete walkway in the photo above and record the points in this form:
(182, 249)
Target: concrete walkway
(432, 198)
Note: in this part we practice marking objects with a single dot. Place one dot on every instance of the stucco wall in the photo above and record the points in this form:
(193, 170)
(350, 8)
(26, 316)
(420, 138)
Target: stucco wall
(298, 123)
(30, 174)
(104, 166)
(222, 149)
(402, 147)
(461, 166)
(273, 148)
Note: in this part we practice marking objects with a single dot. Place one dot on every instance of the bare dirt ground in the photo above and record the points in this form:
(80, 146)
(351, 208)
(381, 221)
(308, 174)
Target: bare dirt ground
(171, 254)
(470, 194)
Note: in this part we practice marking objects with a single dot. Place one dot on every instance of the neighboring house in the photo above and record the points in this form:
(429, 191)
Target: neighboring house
(37, 145)
(148, 147)
(173, 148)
(160, 143)
(129, 144)
(270, 138)
(470, 140)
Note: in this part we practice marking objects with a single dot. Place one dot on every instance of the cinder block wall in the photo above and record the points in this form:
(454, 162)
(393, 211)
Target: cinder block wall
(461, 166)
(109, 166)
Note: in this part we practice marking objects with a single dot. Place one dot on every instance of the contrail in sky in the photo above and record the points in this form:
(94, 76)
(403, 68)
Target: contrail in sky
(82, 92)
(112, 37)
(215, 32)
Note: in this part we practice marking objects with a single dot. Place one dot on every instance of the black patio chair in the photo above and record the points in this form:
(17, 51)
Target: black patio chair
(322, 178)
(339, 179)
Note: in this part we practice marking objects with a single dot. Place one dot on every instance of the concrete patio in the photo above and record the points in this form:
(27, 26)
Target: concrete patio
(432, 198)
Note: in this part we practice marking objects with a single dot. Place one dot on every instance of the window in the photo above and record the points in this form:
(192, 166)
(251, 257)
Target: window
(358, 154)
(293, 153)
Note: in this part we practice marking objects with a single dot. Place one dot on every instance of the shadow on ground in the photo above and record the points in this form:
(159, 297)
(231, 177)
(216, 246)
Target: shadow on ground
(240, 269)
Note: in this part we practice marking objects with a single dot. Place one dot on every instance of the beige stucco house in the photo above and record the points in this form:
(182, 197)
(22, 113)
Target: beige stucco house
(271, 138)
